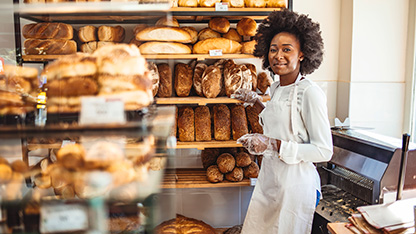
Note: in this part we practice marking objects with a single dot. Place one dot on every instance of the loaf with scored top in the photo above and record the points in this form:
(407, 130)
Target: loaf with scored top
(222, 122)
(48, 31)
(49, 46)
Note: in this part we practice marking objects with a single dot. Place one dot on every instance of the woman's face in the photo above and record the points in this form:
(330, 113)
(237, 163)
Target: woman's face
(285, 56)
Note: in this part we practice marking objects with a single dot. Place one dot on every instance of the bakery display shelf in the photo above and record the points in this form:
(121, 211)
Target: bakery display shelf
(201, 100)
(206, 144)
(195, 178)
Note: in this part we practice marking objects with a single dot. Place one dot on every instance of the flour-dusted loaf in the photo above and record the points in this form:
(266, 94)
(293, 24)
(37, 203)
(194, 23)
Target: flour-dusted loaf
(219, 24)
(236, 175)
(238, 121)
(197, 79)
(253, 70)
(183, 79)
(209, 156)
(208, 3)
(263, 81)
(164, 33)
(188, 3)
(253, 119)
(214, 174)
(155, 76)
(211, 81)
(232, 34)
(237, 76)
(111, 33)
(252, 170)
(87, 33)
(184, 224)
(165, 80)
(186, 126)
(226, 162)
(49, 46)
(202, 123)
(226, 45)
(222, 122)
(242, 159)
(155, 47)
(207, 33)
(48, 31)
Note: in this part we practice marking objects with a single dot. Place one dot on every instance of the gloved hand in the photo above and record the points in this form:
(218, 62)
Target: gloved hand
(258, 144)
(247, 96)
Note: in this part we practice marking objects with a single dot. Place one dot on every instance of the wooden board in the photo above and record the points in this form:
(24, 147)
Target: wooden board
(206, 144)
(195, 178)
(200, 100)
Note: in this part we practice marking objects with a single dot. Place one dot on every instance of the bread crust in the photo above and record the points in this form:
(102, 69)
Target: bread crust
(226, 163)
(263, 81)
(247, 27)
(212, 81)
(47, 30)
(164, 33)
(226, 45)
(49, 46)
(87, 33)
(238, 121)
(165, 82)
(222, 122)
(183, 79)
(214, 175)
(197, 78)
(202, 123)
(164, 48)
(111, 33)
(232, 34)
(184, 224)
(219, 24)
(206, 33)
(186, 129)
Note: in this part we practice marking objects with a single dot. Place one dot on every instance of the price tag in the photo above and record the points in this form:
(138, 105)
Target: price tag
(221, 6)
(1, 66)
(67, 142)
(56, 218)
(253, 181)
(215, 52)
(99, 110)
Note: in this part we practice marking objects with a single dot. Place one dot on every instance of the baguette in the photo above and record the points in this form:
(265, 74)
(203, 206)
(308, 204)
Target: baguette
(48, 31)
(49, 46)
(163, 33)
(226, 45)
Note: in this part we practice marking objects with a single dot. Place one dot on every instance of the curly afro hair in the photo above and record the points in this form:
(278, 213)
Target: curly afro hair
(307, 32)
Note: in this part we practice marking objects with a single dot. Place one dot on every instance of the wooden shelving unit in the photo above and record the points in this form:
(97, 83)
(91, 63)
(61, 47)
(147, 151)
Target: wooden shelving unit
(195, 178)
(201, 100)
(206, 144)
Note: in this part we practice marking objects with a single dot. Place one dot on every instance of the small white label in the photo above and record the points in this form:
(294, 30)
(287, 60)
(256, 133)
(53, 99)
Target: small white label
(221, 6)
(253, 181)
(215, 52)
(99, 110)
(63, 217)
(67, 142)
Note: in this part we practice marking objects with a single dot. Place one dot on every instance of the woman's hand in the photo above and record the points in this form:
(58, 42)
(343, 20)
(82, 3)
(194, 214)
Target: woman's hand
(246, 95)
(257, 143)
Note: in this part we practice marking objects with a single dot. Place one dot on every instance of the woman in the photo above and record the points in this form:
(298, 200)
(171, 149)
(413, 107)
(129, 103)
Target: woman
(295, 125)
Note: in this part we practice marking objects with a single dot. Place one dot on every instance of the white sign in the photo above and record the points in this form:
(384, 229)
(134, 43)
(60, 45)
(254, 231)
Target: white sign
(215, 52)
(63, 217)
(253, 181)
(99, 110)
(221, 6)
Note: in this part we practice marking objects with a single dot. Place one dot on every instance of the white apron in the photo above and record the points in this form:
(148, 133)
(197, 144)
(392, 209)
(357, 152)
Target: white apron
(284, 198)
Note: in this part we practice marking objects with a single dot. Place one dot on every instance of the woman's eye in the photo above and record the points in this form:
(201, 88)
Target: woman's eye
(273, 50)
(286, 49)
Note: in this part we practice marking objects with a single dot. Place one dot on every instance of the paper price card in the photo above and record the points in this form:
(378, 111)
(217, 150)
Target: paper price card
(215, 52)
(55, 218)
(99, 110)
(253, 181)
(221, 6)
(1, 66)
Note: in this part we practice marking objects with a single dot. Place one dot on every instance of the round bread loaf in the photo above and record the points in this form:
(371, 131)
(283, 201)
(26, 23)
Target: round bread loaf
(207, 33)
(247, 27)
(214, 175)
(184, 225)
(232, 34)
(19, 166)
(242, 159)
(219, 24)
(209, 157)
(234, 230)
(235, 175)
(71, 156)
(167, 21)
(226, 163)
(251, 171)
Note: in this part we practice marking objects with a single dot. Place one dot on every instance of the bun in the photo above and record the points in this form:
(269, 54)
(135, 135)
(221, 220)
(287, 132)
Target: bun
(255, 3)
(211, 81)
(184, 224)
(232, 34)
(187, 3)
(89, 47)
(263, 82)
(186, 124)
(222, 122)
(71, 156)
(209, 157)
(248, 47)
(48, 31)
(247, 27)
(226, 163)
(219, 24)
(253, 119)
(214, 174)
(49, 46)
(165, 82)
(238, 121)
(236, 175)
(226, 45)
(167, 21)
(242, 159)
(251, 171)
(202, 124)
(183, 79)
(110, 33)
(208, 3)
(87, 33)
(163, 33)
(207, 33)
(198, 75)
(234, 3)
(164, 48)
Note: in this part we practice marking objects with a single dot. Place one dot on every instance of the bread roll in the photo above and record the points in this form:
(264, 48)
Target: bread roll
(247, 27)
(251, 171)
(253, 70)
(222, 122)
(183, 79)
(207, 33)
(167, 21)
(208, 3)
(111, 33)
(226, 45)
(236, 175)
(238, 121)
(155, 77)
(202, 124)
(214, 174)
(232, 34)
(87, 33)
(164, 33)
(255, 3)
(219, 24)
(194, 34)
(165, 80)
(226, 163)
(253, 119)
(209, 157)
(71, 156)
(211, 81)
(263, 82)
(49, 46)
(248, 47)
(48, 30)
(242, 159)
(276, 3)
(197, 79)
(186, 127)
(234, 3)
(89, 47)
(187, 3)
(164, 48)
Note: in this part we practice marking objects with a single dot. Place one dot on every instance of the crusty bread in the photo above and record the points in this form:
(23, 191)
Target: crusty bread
(49, 46)
(209, 156)
(75, 86)
(247, 27)
(167, 21)
(253, 119)
(111, 33)
(194, 34)
(183, 79)
(165, 80)
(89, 47)
(155, 77)
(276, 3)
(214, 174)
(184, 224)
(252, 170)
(255, 3)
(211, 81)
(197, 78)
(232, 34)
(253, 70)
(242, 159)
(87, 33)
(219, 24)
(139, 27)
(226, 162)
(248, 47)
(222, 122)
(208, 3)
(164, 48)
(206, 33)
(263, 81)
(234, 3)
(164, 33)
(48, 31)
(73, 65)
(186, 127)
(226, 45)
(239, 124)
(202, 123)
(235, 175)
(188, 3)
(237, 76)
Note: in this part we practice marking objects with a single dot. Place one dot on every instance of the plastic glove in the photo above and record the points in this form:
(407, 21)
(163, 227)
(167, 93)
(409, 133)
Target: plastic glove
(247, 96)
(258, 144)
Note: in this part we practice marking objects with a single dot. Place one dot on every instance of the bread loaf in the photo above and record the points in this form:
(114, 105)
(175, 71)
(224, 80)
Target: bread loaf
(155, 77)
(71, 156)
(232, 34)
(253, 70)
(236, 175)
(111, 33)
(211, 81)
(207, 33)
(263, 82)
(135, 42)
(187, 3)
(87, 33)
(48, 31)
(167, 21)
(208, 3)
(209, 157)
(234, 3)
(255, 3)
(214, 174)
(248, 47)
(238, 121)
(197, 79)
(202, 124)
(49, 46)
(226, 45)
(251, 171)
(247, 77)
(242, 159)
(232, 78)
(89, 47)
(222, 122)
(184, 224)
(183, 79)
(138, 28)
(164, 48)
(259, 160)
(186, 130)
(75, 86)
(194, 34)
(164, 33)
(276, 3)
(226, 163)
(253, 119)
(104, 43)
(165, 80)
(219, 24)
(247, 27)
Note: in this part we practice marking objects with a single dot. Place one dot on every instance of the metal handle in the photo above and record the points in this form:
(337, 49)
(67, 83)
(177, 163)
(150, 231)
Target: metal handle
(402, 171)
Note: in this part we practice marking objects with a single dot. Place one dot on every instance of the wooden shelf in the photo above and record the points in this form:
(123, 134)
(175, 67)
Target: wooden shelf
(195, 178)
(200, 100)
(206, 144)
